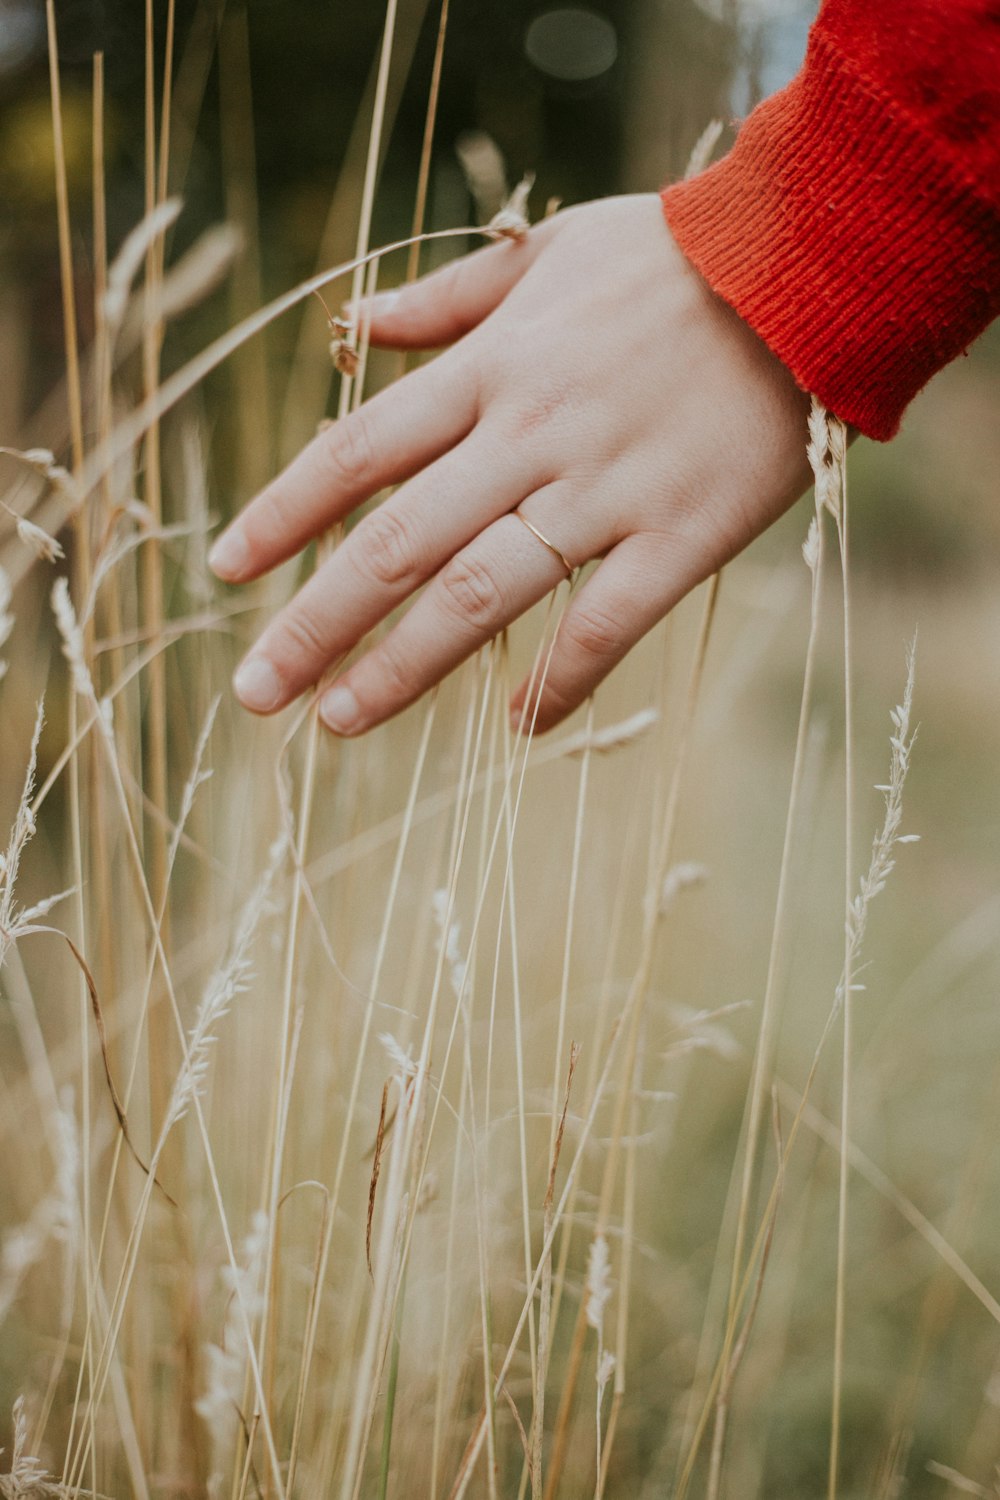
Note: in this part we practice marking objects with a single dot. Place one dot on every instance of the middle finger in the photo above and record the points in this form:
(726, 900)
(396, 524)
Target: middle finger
(388, 555)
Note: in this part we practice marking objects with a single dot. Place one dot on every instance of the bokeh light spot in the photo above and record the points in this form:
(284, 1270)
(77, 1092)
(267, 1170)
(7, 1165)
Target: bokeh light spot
(571, 43)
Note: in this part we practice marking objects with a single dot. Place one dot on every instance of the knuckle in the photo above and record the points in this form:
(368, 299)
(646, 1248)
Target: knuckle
(387, 550)
(547, 408)
(593, 632)
(539, 412)
(686, 499)
(268, 523)
(472, 592)
(395, 676)
(557, 701)
(301, 635)
(350, 452)
(464, 367)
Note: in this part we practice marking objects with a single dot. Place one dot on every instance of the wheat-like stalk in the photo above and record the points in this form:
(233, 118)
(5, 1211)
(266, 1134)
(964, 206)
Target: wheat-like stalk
(367, 1146)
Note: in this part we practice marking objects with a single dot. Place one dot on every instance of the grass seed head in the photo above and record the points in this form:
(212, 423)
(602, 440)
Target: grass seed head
(512, 222)
(6, 618)
(41, 543)
(598, 1281)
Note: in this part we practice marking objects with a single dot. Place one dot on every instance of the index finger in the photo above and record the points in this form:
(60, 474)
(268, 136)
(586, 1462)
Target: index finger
(398, 432)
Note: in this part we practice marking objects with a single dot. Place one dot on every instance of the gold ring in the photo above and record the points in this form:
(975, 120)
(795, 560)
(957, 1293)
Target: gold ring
(570, 570)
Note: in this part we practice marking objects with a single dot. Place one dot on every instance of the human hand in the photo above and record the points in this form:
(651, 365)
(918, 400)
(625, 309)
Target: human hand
(595, 383)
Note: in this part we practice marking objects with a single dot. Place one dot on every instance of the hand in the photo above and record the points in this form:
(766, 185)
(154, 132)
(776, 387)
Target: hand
(594, 382)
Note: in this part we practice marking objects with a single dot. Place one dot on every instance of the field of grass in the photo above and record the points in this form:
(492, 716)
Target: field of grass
(441, 1113)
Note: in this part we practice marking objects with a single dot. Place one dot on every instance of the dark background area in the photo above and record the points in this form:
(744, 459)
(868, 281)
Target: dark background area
(309, 65)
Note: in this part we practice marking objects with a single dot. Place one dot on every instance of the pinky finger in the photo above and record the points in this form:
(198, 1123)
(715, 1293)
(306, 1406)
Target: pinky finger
(623, 599)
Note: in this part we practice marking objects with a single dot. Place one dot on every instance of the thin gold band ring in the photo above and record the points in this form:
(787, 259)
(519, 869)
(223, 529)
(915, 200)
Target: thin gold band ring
(570, 570)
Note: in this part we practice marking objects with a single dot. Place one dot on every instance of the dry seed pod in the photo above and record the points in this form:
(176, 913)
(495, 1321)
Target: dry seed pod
(345, 358)
(41, 543)
(512, 222)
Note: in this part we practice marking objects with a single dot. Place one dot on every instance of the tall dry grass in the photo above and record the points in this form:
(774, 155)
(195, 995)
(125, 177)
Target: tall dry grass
(341, 1077)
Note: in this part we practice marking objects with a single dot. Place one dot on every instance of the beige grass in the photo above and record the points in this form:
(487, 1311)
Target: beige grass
(345, 1177)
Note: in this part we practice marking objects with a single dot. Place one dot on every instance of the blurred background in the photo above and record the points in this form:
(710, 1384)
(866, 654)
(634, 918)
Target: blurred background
(269, 132)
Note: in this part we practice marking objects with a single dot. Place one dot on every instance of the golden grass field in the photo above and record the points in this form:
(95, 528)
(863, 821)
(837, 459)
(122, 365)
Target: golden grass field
(442, 1114)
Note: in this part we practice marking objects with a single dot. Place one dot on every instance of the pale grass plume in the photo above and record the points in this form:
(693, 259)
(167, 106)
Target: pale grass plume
(199, 520)
(703, 149)
(131, 257)
(811, 546)
(962, 1483)
(54, 1218)
(43, 462)
(66, 1187)
(22, 1249)
(198, 776)
(21, 834)
(614, 736)
(511, 222)
(30, 915)
(125, 541)
(197, 274)
(225, 1363)
(598, 1294)
(827, 454)
(485, 171)
(6, 618)
(449, 936)
(27, 1480)
(228, 982)
(687, 875)
(605, 1370)
(882, 859)
(402, 1061)
(705, 1031)
(72, 638)
(598, 1288)
(139, 511)
(44, 546)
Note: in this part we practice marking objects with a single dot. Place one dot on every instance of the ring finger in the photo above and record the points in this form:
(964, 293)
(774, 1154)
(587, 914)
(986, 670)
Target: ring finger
(388, 555)
(477, 594)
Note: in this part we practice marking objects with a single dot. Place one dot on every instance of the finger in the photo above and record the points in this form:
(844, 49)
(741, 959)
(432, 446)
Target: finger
(623, 599)
(390, 437)
(388, 555)
(441, 307)
(494, 580)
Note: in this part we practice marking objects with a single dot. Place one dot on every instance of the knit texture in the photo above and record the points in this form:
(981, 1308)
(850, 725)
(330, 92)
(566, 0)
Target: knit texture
(855, 225)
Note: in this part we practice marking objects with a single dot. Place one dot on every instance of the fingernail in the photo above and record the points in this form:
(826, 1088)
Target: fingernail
(380, 304)
(230, 556)
(257, 685)
(340, 710)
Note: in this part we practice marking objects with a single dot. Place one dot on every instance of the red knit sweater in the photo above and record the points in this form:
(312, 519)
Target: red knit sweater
(855, 225)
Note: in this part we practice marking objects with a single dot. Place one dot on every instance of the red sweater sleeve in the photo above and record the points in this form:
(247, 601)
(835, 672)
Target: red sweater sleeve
(855, 225)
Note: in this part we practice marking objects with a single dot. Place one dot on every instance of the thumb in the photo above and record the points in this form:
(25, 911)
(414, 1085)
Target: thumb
(441, 307)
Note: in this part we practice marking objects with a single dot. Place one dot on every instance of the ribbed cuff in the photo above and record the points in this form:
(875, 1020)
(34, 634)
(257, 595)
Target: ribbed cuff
(851, 246)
